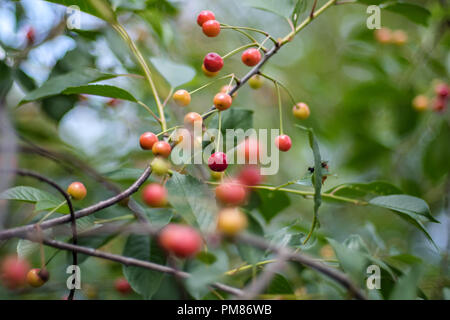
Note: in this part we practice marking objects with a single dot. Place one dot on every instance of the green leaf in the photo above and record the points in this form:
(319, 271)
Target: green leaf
(436, 156)
(175, 74)
(247, 252)
(203, 274)
(99, 8)
(375, 2)
(279, 285)
(158, 217)
(407, 286)
(69, 81)
(48, 205)
(411, 11)
(405, 204)
(6, 80)
(193, 200)
(233, 119)
(272, 202)
(299, 8)
(27, 194)
(143, 281)
(26, 248)
(124, 174)
(102, 90)
(362, 190)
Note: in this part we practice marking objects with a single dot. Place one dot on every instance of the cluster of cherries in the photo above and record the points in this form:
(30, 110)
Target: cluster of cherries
(438, 103)
(16, 273)
(388, 36)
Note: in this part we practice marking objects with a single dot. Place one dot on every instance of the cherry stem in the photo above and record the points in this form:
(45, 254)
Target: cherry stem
(281, 85)
(150, 111)
(280, 109)
(252, 39)
(211, 82)
(207, 114)
(168, 97)
(51, 212)
(226, 26)
(229, 54)
(168, 130)
(220, 132)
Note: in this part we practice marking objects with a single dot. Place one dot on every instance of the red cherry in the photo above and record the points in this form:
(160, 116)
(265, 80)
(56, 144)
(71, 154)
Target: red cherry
(439, 104)
(442, 90)
(249, 149)
(204, 16)
(13, 272)
(213, 62)
(211, 28)
(147, 140)
(250, 176)
(218, 162)
(77, 190)
(161, 148)
(182, 241)
(283, 142)
(231, 193)
(155, 195)
(222, 101)
(122, 286)
(251, 57)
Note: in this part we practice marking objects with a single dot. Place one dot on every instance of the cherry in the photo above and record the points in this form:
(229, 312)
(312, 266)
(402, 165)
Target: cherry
(213, 62)
(155, 195)
(399, 37)
(147, 140)
(222, 101)
(204, 16)
(13, 272)
(231, 193)
(250, 176)
(208, 73)
(161, 148)
(283, 142)
(383, 35)
(251, 57)
(160, 166)
(37, 277)
(439, 104)
(211, 28)
(31, 35)
(442, 90)
(77, 190)
(182, 241)
(182, 97)
(122, 286)
(231, 221)
(249, 150)
(113, 102)
(301, 111)
(218, 161)
(255, 82)
(420, 103)
(192, 119)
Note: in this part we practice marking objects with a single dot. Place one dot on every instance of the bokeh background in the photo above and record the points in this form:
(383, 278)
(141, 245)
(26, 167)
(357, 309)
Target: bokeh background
(359, 90)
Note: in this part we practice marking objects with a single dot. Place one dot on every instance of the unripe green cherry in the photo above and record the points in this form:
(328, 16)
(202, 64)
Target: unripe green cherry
(160, 166)
(182, 98)
(77, 190)
(255, 82)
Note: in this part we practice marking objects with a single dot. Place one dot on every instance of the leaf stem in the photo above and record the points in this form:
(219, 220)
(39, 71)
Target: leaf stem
(280, 109)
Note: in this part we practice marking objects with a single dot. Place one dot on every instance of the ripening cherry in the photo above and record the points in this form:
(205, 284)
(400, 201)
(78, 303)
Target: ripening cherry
(207, 73)
(383, 35)
(77, 190)
(218, 161)
(420, 103)
(283, 142)
(192, 119)
(249, 150)
(251, 57)
(231, 193)
(182, 241)
(442, 90)
(222, 101)
(13, 272)
(301, 111)
(204, 16)
(182, 98)
(211, 28)
(439, 104)
(231, 221)
(37, 277)
(213, 62)
(160, 166)
(147, 140)
(250, 176)
(161, 148)
(155, 195)
(122, 286)
(255, 82)
(226, 89)
(399, 37)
